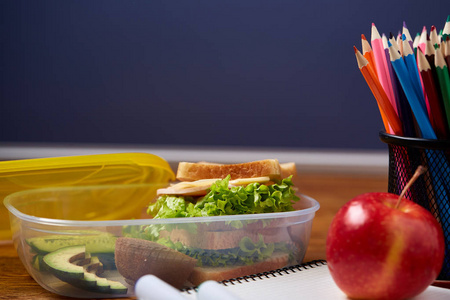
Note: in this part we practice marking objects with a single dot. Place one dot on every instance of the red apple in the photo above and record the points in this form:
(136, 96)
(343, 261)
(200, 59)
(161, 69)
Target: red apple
(376, 250)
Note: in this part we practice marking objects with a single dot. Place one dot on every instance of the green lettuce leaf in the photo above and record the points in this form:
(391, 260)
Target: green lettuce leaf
(223, 200)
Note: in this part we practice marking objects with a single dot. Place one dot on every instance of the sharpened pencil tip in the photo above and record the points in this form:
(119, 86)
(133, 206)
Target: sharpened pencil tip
(448, 18)
(363, 37)
(356, 49)
(404, 24)
(373, 24)
(433, 27)
(424, 29)
(391, 35)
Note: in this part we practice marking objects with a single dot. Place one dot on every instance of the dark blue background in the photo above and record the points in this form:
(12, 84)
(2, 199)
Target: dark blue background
(246, 73)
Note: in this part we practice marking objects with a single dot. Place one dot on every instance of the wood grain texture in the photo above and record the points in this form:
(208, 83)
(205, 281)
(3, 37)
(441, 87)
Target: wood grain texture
(331, 190)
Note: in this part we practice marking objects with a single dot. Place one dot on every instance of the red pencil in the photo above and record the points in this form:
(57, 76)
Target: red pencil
(437, 118)
(429, 53)
(435, 42)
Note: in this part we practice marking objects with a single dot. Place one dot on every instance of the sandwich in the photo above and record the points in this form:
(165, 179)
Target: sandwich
(232, 248)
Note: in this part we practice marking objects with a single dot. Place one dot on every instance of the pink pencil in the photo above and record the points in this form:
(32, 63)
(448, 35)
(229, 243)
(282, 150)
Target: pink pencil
(423, 40)
(381, 65)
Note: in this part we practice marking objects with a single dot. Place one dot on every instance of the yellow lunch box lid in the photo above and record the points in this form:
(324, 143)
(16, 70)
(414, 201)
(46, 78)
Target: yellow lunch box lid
(97, 169)
(26, 176)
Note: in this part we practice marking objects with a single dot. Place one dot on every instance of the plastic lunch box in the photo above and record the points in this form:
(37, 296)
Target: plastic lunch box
(73, 243)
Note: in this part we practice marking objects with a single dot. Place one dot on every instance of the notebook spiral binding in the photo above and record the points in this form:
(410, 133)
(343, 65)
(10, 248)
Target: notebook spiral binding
(261, 276)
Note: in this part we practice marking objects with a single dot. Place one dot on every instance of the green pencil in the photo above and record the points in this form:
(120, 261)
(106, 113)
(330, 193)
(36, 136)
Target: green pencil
(446, 30)
(444, 81)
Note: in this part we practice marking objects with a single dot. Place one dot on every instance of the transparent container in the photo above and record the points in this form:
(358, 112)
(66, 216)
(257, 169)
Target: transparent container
(85, 170)
(69, 254)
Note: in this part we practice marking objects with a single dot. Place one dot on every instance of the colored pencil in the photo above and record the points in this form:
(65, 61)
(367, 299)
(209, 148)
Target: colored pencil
(438, 119)
(368, 53)
(423, 39)
(446, 52)
(391, 70)
(416, 42)
(399, 43)
(443, 47)
(403, 108)
(429, 53)
(435, 42)
(384, 104)
(381, 64)
(411, 65)
(444, 82)
(446, 30)
(405, 31)
(411, 94)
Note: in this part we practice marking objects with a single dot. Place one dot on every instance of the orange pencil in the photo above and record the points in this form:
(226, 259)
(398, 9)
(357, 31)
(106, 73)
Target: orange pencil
(384, 104)
(368, 53)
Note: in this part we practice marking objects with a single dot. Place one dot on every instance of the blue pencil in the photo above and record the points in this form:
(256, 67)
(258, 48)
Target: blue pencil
(411, 65)
(405, 80)
(403, 109)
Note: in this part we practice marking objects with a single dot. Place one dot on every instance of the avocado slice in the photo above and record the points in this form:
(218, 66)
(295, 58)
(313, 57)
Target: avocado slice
(61, 262)
(95, 241)
(73, 265)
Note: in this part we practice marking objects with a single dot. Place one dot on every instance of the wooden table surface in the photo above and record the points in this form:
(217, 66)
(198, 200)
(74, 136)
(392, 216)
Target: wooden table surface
(331, 190)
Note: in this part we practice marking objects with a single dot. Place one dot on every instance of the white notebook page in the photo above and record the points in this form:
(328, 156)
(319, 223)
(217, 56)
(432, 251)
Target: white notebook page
(313, 282)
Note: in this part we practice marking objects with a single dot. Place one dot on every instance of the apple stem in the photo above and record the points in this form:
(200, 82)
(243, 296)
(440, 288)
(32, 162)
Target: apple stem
(419, 171)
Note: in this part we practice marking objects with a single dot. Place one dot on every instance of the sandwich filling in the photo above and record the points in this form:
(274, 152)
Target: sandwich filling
(224, 198)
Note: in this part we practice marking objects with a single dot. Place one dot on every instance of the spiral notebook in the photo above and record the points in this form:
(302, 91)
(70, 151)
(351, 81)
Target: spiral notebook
(306, 281)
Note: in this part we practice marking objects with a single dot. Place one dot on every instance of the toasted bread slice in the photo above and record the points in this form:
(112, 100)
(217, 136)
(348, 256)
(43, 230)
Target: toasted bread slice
(201, 274)
(288, 169)
(196, 171)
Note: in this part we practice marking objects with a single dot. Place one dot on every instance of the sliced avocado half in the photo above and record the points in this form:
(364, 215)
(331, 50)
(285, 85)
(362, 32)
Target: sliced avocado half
(73, 265)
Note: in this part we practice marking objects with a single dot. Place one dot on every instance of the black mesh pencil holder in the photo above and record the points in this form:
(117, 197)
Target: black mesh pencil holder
(432, 189)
